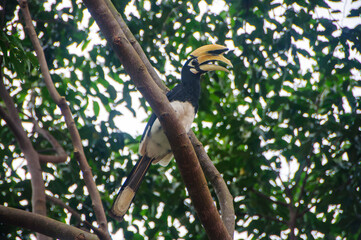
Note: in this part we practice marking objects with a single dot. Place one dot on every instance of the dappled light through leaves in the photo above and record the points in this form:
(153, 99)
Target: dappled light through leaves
(283, 128)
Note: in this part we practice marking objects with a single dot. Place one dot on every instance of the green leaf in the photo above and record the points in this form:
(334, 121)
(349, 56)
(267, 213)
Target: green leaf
(96, 108)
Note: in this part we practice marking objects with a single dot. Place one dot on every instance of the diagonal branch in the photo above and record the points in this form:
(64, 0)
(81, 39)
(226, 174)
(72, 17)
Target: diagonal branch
(264, 196)
(61, 154)
(37, 222)
(272, 218)
(224, 196)
(10, 122)
(73, 212)
(39, 51)
(182, 148)
(136, 46)
(75, 137)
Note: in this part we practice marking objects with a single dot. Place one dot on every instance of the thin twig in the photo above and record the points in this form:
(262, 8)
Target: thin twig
(300, 215)
(267, 197)
(73, 212)
(271, 218)
(61, 154)
(304, 182)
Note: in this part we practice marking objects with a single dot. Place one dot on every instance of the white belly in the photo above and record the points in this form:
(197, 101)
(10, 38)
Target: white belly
(156, 144)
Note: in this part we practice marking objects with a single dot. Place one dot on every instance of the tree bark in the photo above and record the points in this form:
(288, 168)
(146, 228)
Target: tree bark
(225, 198)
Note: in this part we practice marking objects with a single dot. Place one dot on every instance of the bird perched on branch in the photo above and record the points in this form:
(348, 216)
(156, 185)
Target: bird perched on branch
(154, 146)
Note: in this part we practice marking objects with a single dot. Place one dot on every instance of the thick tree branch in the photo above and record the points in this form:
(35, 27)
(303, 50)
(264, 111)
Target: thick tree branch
(12, 119)
(136, 46)
(44, 158)
(224, 196)
(182, 148)
(41, 224)
(17, 131)
(61, 102)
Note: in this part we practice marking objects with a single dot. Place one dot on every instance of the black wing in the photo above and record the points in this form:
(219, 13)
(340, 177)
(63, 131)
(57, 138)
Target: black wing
(175, 93)
(171, 95)
(149, 125)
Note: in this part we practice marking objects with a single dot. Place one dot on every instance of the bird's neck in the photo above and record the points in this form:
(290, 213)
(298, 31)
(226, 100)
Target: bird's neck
(192, 87)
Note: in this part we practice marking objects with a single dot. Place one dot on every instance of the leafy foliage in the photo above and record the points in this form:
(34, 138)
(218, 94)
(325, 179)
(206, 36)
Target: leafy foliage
(283, 128)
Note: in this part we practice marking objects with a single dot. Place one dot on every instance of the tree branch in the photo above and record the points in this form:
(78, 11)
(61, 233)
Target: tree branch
(304, 182)
(59, 150)
(38, 49)
(291, 223)
(41, 224)
(10, 122)
(304, 211)
(76, 140)
(136, 46)
(272, 218)
(13, 113)
(182, 148)
(74, 213)
(12, 119)
(224, 196)
(268, 198)
(61, 154)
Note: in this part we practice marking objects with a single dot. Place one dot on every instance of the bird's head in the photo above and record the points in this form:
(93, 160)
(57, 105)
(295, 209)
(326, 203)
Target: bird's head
(203, 59)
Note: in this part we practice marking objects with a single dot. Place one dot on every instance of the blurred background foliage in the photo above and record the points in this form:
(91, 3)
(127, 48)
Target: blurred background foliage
(283, 128)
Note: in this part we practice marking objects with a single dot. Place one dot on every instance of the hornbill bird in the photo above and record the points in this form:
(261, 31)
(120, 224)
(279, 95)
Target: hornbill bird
(154, 146)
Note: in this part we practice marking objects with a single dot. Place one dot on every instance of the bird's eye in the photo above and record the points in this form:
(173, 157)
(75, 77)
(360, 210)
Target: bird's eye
(194, 62)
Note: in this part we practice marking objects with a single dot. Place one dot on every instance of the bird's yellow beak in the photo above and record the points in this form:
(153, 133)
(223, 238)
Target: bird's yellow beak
(208, 54)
